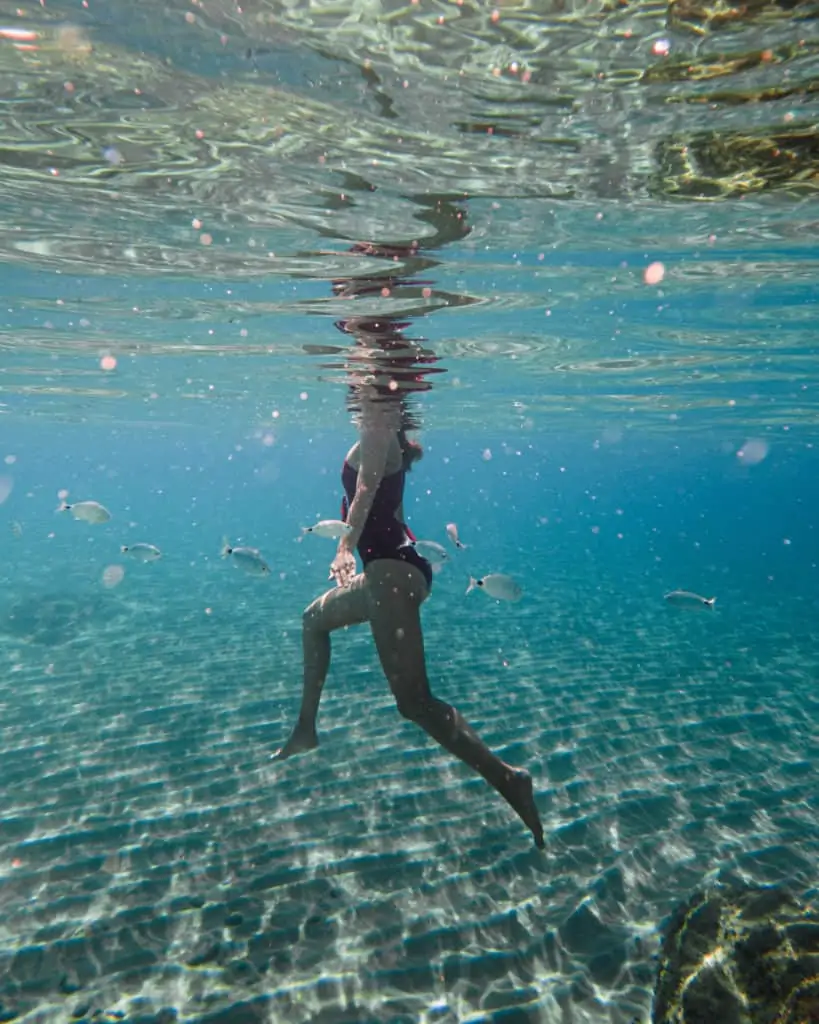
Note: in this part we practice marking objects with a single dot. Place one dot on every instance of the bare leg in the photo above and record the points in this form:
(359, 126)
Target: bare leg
(342, 606)
(395, 592)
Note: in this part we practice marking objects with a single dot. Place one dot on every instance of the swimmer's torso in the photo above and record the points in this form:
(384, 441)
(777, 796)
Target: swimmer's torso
(385, 535)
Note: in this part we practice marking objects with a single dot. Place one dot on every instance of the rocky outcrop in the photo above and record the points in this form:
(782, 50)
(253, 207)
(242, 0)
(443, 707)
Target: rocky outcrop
(740, 957)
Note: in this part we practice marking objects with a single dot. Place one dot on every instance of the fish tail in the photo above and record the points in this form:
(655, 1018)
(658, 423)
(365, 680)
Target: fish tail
(710, 601)
(225, 547)
(472, 584)
(123, 548)
(460, 545)
(62, 507)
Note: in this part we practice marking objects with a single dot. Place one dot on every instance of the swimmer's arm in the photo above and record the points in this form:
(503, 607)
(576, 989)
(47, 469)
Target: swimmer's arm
(374, 447)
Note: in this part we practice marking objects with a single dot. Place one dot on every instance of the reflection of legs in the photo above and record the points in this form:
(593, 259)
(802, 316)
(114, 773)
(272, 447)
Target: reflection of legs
(395, 593)
(343, 606)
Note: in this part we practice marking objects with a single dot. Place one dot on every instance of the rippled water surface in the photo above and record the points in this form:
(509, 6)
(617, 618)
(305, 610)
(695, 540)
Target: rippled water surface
(184, 180)
(584, 236)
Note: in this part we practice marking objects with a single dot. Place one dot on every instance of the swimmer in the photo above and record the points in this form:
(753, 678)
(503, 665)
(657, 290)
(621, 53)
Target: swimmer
(388, 594)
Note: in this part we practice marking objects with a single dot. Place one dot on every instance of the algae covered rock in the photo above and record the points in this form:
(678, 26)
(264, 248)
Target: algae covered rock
(740, 956)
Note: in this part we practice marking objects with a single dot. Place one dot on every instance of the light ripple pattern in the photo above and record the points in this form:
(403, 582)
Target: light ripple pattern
(154, 858)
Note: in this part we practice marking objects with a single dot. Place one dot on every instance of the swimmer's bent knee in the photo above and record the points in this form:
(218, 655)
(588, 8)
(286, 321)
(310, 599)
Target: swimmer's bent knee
(310, 615)
(409, 709)
(419, 709)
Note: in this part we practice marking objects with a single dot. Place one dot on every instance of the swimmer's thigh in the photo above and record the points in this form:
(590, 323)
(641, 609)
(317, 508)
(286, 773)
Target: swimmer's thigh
(339, 607)
(395, 592)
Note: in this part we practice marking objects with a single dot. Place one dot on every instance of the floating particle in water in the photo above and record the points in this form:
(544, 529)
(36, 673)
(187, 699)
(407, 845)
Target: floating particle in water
(205, 238)
(486, 455)
(73, 41)
(654, 273)
(611, 435)
(113, 156)
(10, 460)
(6, 487)
(112, 576)
(661, 47)
(753, 452)
(108, 363)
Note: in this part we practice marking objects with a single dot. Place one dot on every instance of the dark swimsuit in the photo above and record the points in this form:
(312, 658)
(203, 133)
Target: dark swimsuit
(383, 535)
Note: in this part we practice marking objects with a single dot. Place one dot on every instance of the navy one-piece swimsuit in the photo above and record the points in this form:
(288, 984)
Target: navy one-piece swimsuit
(383, 535)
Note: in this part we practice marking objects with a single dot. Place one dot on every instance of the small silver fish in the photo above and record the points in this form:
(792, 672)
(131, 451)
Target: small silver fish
(249, 559)
(330, 528)
(452, 533)
(497, 585)
(141, 552)
(434, 553)
(87, 511)
(6, 487)
(685, 598)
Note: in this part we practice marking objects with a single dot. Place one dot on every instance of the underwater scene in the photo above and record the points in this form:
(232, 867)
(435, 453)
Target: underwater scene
(409, 456)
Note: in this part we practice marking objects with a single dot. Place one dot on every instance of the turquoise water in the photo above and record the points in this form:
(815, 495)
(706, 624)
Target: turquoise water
(184, 190)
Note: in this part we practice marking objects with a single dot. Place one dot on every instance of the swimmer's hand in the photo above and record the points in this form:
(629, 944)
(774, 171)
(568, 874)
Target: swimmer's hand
(342, 569)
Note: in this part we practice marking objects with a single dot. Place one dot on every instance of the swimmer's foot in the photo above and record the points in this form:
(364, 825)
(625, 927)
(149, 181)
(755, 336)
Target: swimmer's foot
(302, 739)
(520, 792)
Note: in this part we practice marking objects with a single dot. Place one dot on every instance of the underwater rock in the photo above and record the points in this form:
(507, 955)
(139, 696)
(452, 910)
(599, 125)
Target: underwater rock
(709, 164)
(704, 15)
(740, 956)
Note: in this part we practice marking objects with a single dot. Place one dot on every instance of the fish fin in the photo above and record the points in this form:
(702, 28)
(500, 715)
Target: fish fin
(472, 584)
(225, 547)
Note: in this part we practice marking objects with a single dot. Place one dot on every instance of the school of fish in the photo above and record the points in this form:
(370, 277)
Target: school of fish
(496, 585)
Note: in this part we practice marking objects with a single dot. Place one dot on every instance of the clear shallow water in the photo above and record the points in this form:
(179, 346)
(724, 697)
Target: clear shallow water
(602, 439)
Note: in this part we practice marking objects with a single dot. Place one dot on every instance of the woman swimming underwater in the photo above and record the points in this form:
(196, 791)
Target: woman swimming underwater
(388, 594)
